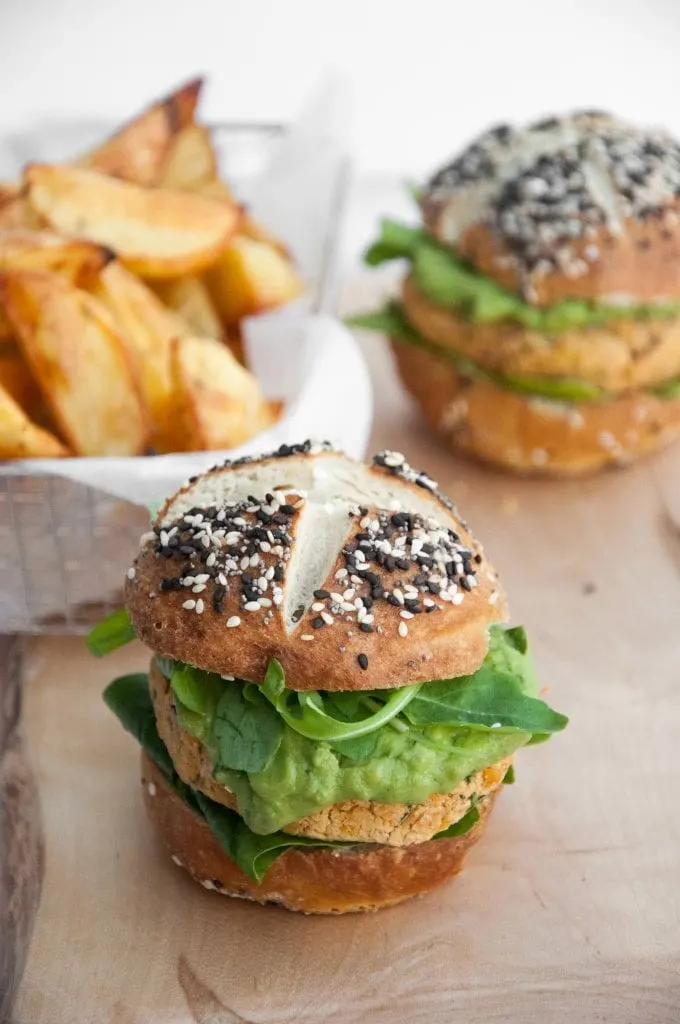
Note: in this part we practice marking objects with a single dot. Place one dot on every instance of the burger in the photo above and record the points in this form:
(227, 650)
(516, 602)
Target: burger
(334, 701)
(538, 325)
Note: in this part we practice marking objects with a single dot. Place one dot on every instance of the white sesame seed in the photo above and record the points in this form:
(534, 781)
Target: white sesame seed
(494, 597)
(263, 583)
(403, 629)
(318, 606)
(189, 605)
(211, 559)
(175, 860)
(346, 606)
(239, 521)
(428, 602)
(406, 615)
(198, 589)
(394, 459)
(245, 562)
(205, 541)
(457, 598)
(361, 613)
(221, 515)
(341, 574)
(359, 555)
(398, 594)
(233, 621)
(348, 594)
(232, 538)
(252, 606)
(328, 619)
(164, 538)
(265, 546)
(358, 602)
(221, 578)
(269, 575)
(207, 884)
(200, 606)
(277, 598)
(265, 602)
(131, 573)
(202, 577)
(306, 636)
(337, 598)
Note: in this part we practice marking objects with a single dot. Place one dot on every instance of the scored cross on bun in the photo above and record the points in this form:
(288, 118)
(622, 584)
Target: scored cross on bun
(327, 564)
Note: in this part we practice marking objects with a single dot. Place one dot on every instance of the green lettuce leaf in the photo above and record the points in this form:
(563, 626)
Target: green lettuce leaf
(449, 282)
(129, 699)
(113, 632)
(392, 321)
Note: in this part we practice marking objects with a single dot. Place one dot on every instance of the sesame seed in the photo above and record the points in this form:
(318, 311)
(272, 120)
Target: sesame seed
(317, 623)
(307, 636)
(200, 606)
(403, 629)
(131, 573)
(189, 605)
(233, 621)
(328, 619)
(152, 788)
(252, 606)
(363, 661)
(406, 615)
(198, 589)
(493, 598)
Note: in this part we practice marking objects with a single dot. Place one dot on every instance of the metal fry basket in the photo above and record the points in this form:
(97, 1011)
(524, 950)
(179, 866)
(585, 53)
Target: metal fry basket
(64, 547)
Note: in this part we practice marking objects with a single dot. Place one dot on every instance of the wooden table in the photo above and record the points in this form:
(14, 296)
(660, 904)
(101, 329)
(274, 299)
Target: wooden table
(569, 910)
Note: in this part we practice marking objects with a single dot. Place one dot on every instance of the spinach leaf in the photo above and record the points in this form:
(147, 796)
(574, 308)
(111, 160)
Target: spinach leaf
(396, 241)
(254, 854)
(246, 730)
(129, 699)
(509, 777)
(460, 827)
(196, 690)
(508, 652)
(113, 632)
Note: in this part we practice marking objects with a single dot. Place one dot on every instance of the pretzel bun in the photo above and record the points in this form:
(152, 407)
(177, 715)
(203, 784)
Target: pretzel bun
(582, 206)
(315, 880)
(530, 435)
(352, 576)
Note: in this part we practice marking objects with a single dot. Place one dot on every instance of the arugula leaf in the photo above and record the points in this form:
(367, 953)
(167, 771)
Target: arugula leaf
(129, 699)
(396, 241)
(305, 714)
(113, 632)
(254, 854)
(460, 827)
(246, 730)
(509, 777)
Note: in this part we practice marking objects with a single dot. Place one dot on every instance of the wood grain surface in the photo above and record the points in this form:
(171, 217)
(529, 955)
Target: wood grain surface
(568, 911)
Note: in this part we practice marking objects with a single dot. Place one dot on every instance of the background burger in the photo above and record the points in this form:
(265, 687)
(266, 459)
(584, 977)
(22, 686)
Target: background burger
(538, 326)
(332, 703)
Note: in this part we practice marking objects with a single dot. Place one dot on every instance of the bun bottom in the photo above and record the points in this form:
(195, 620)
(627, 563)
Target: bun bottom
(530, 435)
(312, 881)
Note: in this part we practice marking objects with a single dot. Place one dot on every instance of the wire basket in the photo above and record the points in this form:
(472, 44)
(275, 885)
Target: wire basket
(64, 547)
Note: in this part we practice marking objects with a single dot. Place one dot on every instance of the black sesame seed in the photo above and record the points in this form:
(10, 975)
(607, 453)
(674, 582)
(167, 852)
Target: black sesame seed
(465, 583)
(365, 627)
(434, 588)
(187, 549)
(478, 559)
(390, 563)
(318, 623)
(287, 510)
(278, 573)
(321, 594)
(393, 600)
(403, 563)
(363, 661)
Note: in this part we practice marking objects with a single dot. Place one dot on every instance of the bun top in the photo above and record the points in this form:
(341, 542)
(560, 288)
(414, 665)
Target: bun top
(581, 206)
(352, 576)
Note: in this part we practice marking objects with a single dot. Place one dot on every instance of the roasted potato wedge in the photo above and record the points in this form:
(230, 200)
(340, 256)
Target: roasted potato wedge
(190, 299)
(217, 190)
(219, 403)
(157, 233)
(76, 259)
(20, 438)
(80, 362)
(191, 162)
(17, 380)
(139, 151)
(251, 277)
(252, 228)
(147, 328)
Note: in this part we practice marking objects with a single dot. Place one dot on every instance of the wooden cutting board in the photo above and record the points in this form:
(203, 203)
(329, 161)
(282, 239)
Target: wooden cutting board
(569, 909)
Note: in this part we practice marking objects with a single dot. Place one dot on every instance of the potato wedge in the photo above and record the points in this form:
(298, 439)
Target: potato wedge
(252, 228)
(190, 299)
(157, 233)
(191, 162)
(219, 403)
(17, 380)
(147, 328)
(75, 259)
(20, 438)
(139, 151)
(251, 277)
(80, 362)
(218, 190)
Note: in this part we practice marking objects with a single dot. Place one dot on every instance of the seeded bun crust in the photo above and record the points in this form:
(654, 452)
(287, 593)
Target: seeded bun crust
(367, 580)
(583, 206)
(315, 881)
(620, 356)
(529, 435)
(352, 820)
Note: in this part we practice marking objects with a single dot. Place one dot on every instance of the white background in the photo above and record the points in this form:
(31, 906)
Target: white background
(425, 75)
